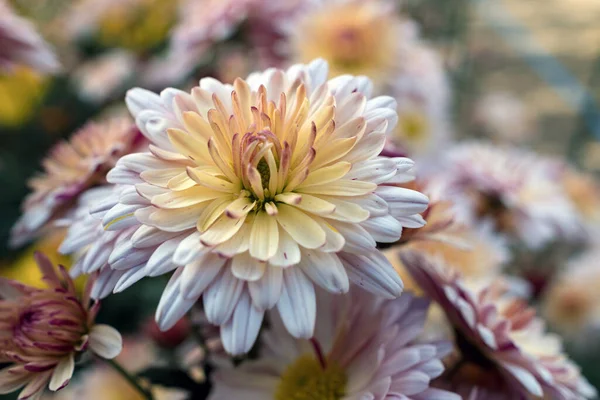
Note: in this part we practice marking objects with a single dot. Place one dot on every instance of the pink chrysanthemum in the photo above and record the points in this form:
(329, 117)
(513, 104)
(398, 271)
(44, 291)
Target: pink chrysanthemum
(21, 44)
(43, 330)
(503, 349)
(514, 190)
(203, 23)
(260, 190)
(365, 347)
(71, 168)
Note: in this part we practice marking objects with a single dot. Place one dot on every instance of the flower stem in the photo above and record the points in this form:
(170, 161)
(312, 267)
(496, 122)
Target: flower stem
(319, 352)
(130, 379)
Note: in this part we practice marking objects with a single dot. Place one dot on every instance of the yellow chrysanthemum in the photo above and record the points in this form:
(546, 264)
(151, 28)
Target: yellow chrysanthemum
(355, 37)
(138, 26)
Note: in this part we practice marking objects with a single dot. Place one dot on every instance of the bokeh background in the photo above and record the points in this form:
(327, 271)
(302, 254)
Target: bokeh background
(536, 64)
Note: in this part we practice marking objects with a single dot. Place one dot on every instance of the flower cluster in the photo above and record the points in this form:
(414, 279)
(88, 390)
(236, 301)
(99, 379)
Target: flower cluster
(268, 199)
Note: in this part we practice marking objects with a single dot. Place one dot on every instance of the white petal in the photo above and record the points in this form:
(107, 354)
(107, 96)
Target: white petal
(221, 297)
(172, 305)
(247, 268)
(297, 305)
(105, 341)
(526, 378)
(383, 229)
(326, 270)
(62, 373)
(374, 273)
(198, 274)
(266, 291)
(240, 332)
(188, 249)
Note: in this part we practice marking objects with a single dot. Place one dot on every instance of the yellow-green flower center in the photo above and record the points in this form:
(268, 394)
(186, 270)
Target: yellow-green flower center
(306, 379)
(21, 91)
(413, 126)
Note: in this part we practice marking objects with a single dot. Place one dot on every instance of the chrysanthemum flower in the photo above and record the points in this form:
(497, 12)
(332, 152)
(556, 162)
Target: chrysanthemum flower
(203, 23)
(22, 45)
(255, 192)
(42, 331)
(477, 253)
(355, 37)
(584, 192)
(422, 91)
(503, 350)
(137, 25)
(71, 168)
(571, 303)
(503, 117)
(101, 78)
(515, 190)
(365, 347)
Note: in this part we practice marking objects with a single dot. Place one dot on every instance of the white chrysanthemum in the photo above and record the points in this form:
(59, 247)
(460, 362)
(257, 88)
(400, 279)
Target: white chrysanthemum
(516, 190)
(255, 192)
(70, 168)
(365, 347)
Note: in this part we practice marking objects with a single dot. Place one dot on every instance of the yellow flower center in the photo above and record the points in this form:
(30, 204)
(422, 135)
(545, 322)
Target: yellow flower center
(355, 38)
(305, 379)
(140, 27)
(412, 126)
(21, 91)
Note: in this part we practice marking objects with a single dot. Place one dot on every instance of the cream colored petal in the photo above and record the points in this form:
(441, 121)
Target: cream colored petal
(181, 182)
(35, 388)
(347, 211)
(334, 240)
(302, 228)
(185, 198)
(342, 187)
(62, 373)
(190, 146)
(212, 212)
(210, 181)
(239, 243)
(105, 341)
(239, 207)
(264, 236)
(197, 126)
(223, 229)
(288, 252)
(326, 174)
(315, 205)
(247, 268)
(161, 177)
(12, 379)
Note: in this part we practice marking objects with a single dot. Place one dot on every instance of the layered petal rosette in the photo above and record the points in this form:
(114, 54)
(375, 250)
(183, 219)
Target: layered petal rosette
(71, 168)
(255, 191)
(365, 347)
(515, 190)
(42, 331)
(503, 349)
